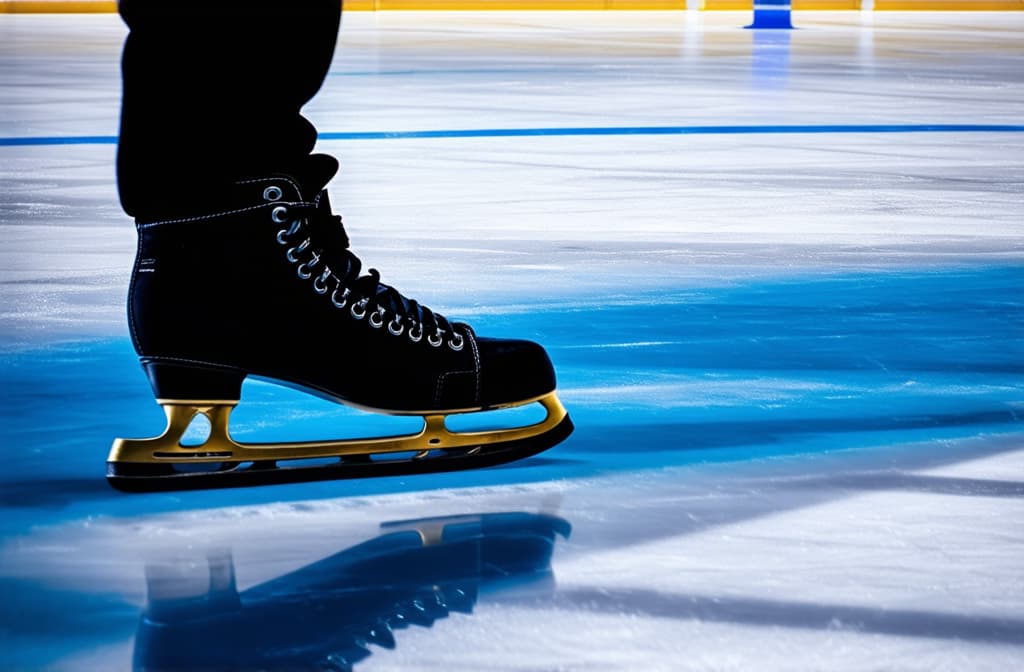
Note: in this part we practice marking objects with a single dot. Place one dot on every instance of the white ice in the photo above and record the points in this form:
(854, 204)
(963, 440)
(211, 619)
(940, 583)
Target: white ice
(913, 556)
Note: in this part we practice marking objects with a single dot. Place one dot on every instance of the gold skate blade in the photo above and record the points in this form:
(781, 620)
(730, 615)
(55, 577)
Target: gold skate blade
(220, 447)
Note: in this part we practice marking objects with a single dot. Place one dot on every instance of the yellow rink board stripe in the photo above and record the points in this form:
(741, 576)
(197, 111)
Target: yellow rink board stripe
(99, 6)
(43, 7)
(880, 5)
(949, 5)
(807, 5)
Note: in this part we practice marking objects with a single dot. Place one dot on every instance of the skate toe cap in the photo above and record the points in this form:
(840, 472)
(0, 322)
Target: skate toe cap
(513, 370)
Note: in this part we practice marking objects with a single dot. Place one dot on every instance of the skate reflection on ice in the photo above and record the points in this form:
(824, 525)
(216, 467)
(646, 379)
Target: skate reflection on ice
(325, 615)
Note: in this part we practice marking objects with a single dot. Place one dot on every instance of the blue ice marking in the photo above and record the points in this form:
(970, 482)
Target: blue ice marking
(660, 377)
(583, 131)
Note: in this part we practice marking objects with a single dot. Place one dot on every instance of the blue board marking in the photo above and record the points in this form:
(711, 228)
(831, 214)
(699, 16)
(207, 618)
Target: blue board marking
(583, 131)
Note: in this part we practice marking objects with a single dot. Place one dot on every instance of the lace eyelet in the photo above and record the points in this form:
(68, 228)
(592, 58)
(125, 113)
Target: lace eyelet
(320, 284)
(284, 234)
(272, 194)
(457, 342)
(279, 214)
(377, 318)
(344, 297)
(358, 310)
(294, 252)
(418, 333)
(305, 270)
(396, 330)
(435, 343)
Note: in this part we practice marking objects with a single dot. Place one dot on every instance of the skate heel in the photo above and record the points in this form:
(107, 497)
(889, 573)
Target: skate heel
(177, 381)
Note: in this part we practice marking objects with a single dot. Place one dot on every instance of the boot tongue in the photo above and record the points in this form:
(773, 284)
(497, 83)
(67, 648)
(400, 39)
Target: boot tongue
(313, 174)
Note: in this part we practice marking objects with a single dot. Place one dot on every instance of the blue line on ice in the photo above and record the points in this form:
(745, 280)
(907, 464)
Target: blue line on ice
(577, 131)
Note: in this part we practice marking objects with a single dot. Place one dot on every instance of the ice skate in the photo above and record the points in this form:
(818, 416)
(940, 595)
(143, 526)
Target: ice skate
(264, 284)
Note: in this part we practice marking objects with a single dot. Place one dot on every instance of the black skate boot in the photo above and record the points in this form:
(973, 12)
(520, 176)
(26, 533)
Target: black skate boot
(265, 285)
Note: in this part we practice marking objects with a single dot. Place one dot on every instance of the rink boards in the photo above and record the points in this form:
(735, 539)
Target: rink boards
(89, 6)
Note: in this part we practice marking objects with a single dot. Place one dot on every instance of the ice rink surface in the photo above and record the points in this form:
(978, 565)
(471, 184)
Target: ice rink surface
(780, 277)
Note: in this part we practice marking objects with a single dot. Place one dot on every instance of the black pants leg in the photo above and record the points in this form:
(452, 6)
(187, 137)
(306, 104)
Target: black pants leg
(213, 92)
